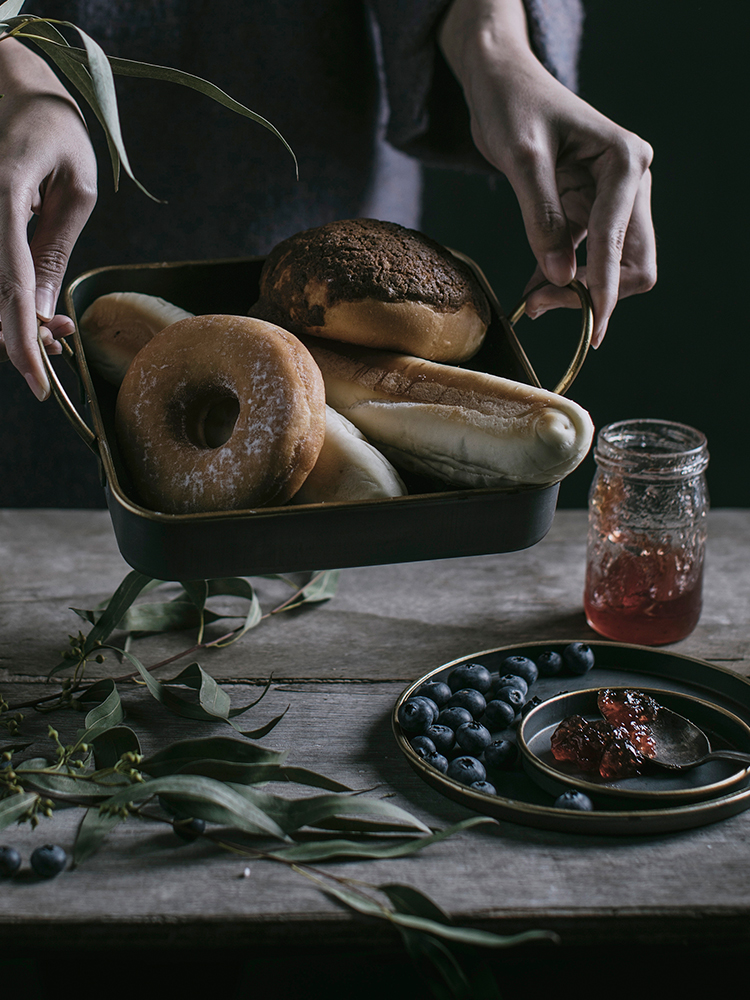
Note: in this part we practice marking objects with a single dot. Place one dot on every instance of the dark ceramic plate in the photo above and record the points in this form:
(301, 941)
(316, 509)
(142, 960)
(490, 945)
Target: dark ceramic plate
(717, 777)
(521, 799)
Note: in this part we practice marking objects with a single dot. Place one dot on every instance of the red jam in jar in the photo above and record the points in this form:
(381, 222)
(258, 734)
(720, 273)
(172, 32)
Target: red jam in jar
(647, 531)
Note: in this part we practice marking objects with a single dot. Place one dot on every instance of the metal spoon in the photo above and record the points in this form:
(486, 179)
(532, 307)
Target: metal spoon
(680, 745)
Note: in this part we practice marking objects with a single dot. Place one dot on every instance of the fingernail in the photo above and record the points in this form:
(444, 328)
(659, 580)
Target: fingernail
(45, 303)
(558, 268)
(41, 391)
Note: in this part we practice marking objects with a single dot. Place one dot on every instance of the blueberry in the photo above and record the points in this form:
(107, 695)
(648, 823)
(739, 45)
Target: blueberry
(10, 861)
(469, 699)
(49, 860)
(466, 770)
(549, 663)
(522, 666)
(483, 786)
(429, 702)
(437, 760)
(501, 754)
(531, 703)
(415, 715)
(454, 717)
(470, 675)
(512, 680)
(514, 696)
(438, 691)
(472, 737)
(189, 829)
(573, 799)
(442, 736)
(579, 657)
(498, 714)
(423, 745)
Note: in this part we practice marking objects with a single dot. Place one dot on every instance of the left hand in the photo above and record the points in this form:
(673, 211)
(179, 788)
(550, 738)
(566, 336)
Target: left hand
(576, 174)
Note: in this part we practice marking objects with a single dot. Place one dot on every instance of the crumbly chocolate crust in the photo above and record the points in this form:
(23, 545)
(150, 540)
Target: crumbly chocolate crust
(359, 259)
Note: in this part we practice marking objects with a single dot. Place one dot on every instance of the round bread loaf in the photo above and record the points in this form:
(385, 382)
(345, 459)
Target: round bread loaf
(376, 284)
(220, 413)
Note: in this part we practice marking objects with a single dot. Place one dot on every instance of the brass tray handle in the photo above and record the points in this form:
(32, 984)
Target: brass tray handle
(587, 328)
(79, 425)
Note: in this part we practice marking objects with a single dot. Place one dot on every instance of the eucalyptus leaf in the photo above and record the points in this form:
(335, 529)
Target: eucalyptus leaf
(92, 831)
(440, 968)
(176, 755)
(257, 734)
(13, 807)
(112, 744)
(70, 785)
(106, 715)
(10, 8)
(209, 799)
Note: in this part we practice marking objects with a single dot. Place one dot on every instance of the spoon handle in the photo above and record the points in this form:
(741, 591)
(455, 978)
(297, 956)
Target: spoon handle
(743, 758)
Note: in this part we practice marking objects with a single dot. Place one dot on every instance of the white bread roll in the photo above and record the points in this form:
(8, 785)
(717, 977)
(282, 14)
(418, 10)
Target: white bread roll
(463, 427)
(116, 326)
(348, 468)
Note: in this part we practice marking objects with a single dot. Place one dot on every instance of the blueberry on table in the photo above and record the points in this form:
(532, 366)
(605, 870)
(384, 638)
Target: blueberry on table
(49, 860)
(470, 675)
(483, 786)
(573, 799)
(189, 829)
(578, 657)
(423, 745)
(501, 755)
(472, 737)
(470, 699)
(437, 760)
(549, 663)
(521, 666)
(415, 715)
(10, 861)
(498, 714)
(437, 691)
(454, 717)
(467, 770)
(442, 736)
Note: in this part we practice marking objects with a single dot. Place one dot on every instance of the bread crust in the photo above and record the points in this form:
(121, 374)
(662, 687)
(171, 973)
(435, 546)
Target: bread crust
(377, 284)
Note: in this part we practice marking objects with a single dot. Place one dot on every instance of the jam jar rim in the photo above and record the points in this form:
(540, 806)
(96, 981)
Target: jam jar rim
(643, 463)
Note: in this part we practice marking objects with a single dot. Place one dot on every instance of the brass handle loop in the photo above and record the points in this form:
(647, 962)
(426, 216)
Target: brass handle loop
(587, 329)
(79, 425)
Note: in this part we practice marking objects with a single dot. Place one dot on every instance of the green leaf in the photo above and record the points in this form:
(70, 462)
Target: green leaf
(112, 744)
(70, 785)
(172, 758)
(208, 799)
(13, 807)
(106, 715)
(439, 968)
(11, 8)
(92, 830)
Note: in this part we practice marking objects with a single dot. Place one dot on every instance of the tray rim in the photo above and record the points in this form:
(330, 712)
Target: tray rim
(609, 822)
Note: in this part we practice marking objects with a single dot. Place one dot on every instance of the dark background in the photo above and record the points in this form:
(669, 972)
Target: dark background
(676, 74)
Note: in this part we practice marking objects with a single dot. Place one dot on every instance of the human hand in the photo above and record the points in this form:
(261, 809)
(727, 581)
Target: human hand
(47, 170)
(576, 174)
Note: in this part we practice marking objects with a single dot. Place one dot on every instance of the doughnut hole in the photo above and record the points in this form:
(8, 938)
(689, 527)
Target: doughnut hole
(211, 418)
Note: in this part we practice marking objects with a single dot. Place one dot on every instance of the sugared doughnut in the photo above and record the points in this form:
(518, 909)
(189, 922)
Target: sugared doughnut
(376, 284)
(220, 413)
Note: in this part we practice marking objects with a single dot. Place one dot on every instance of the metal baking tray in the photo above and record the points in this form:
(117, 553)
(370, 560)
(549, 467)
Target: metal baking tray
(522, 800)
(429, 523)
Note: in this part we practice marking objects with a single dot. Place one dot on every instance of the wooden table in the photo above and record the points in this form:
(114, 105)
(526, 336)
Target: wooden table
(339, 667)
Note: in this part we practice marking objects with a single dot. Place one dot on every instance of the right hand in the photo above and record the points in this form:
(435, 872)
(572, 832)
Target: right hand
(47, 169)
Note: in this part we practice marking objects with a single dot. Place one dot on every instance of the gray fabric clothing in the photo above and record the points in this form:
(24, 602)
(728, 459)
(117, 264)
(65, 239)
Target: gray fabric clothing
(358, 89)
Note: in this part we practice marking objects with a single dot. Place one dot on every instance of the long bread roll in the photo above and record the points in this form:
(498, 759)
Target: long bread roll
(348, 468)
(464, 427)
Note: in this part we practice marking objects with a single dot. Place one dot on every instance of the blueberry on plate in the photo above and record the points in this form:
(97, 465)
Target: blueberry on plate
(422, 745)
(48, 861)
(429, 702)
(437, 691)
(470, 675)
(442, 736)
(483, 786)
(512, 680)
(437, 760)
(498, 714)
(531, 703)
(514, 696)
(467, 770)
(578, 657)
(573, 799)
(472, 737)
(501, 755)
(470, 699)
(454, 717)
(522, 666)
(10, 861)
(415, 715)
(549, 663)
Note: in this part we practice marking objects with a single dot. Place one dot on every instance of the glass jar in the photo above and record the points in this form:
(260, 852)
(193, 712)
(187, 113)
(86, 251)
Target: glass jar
(647, 532)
